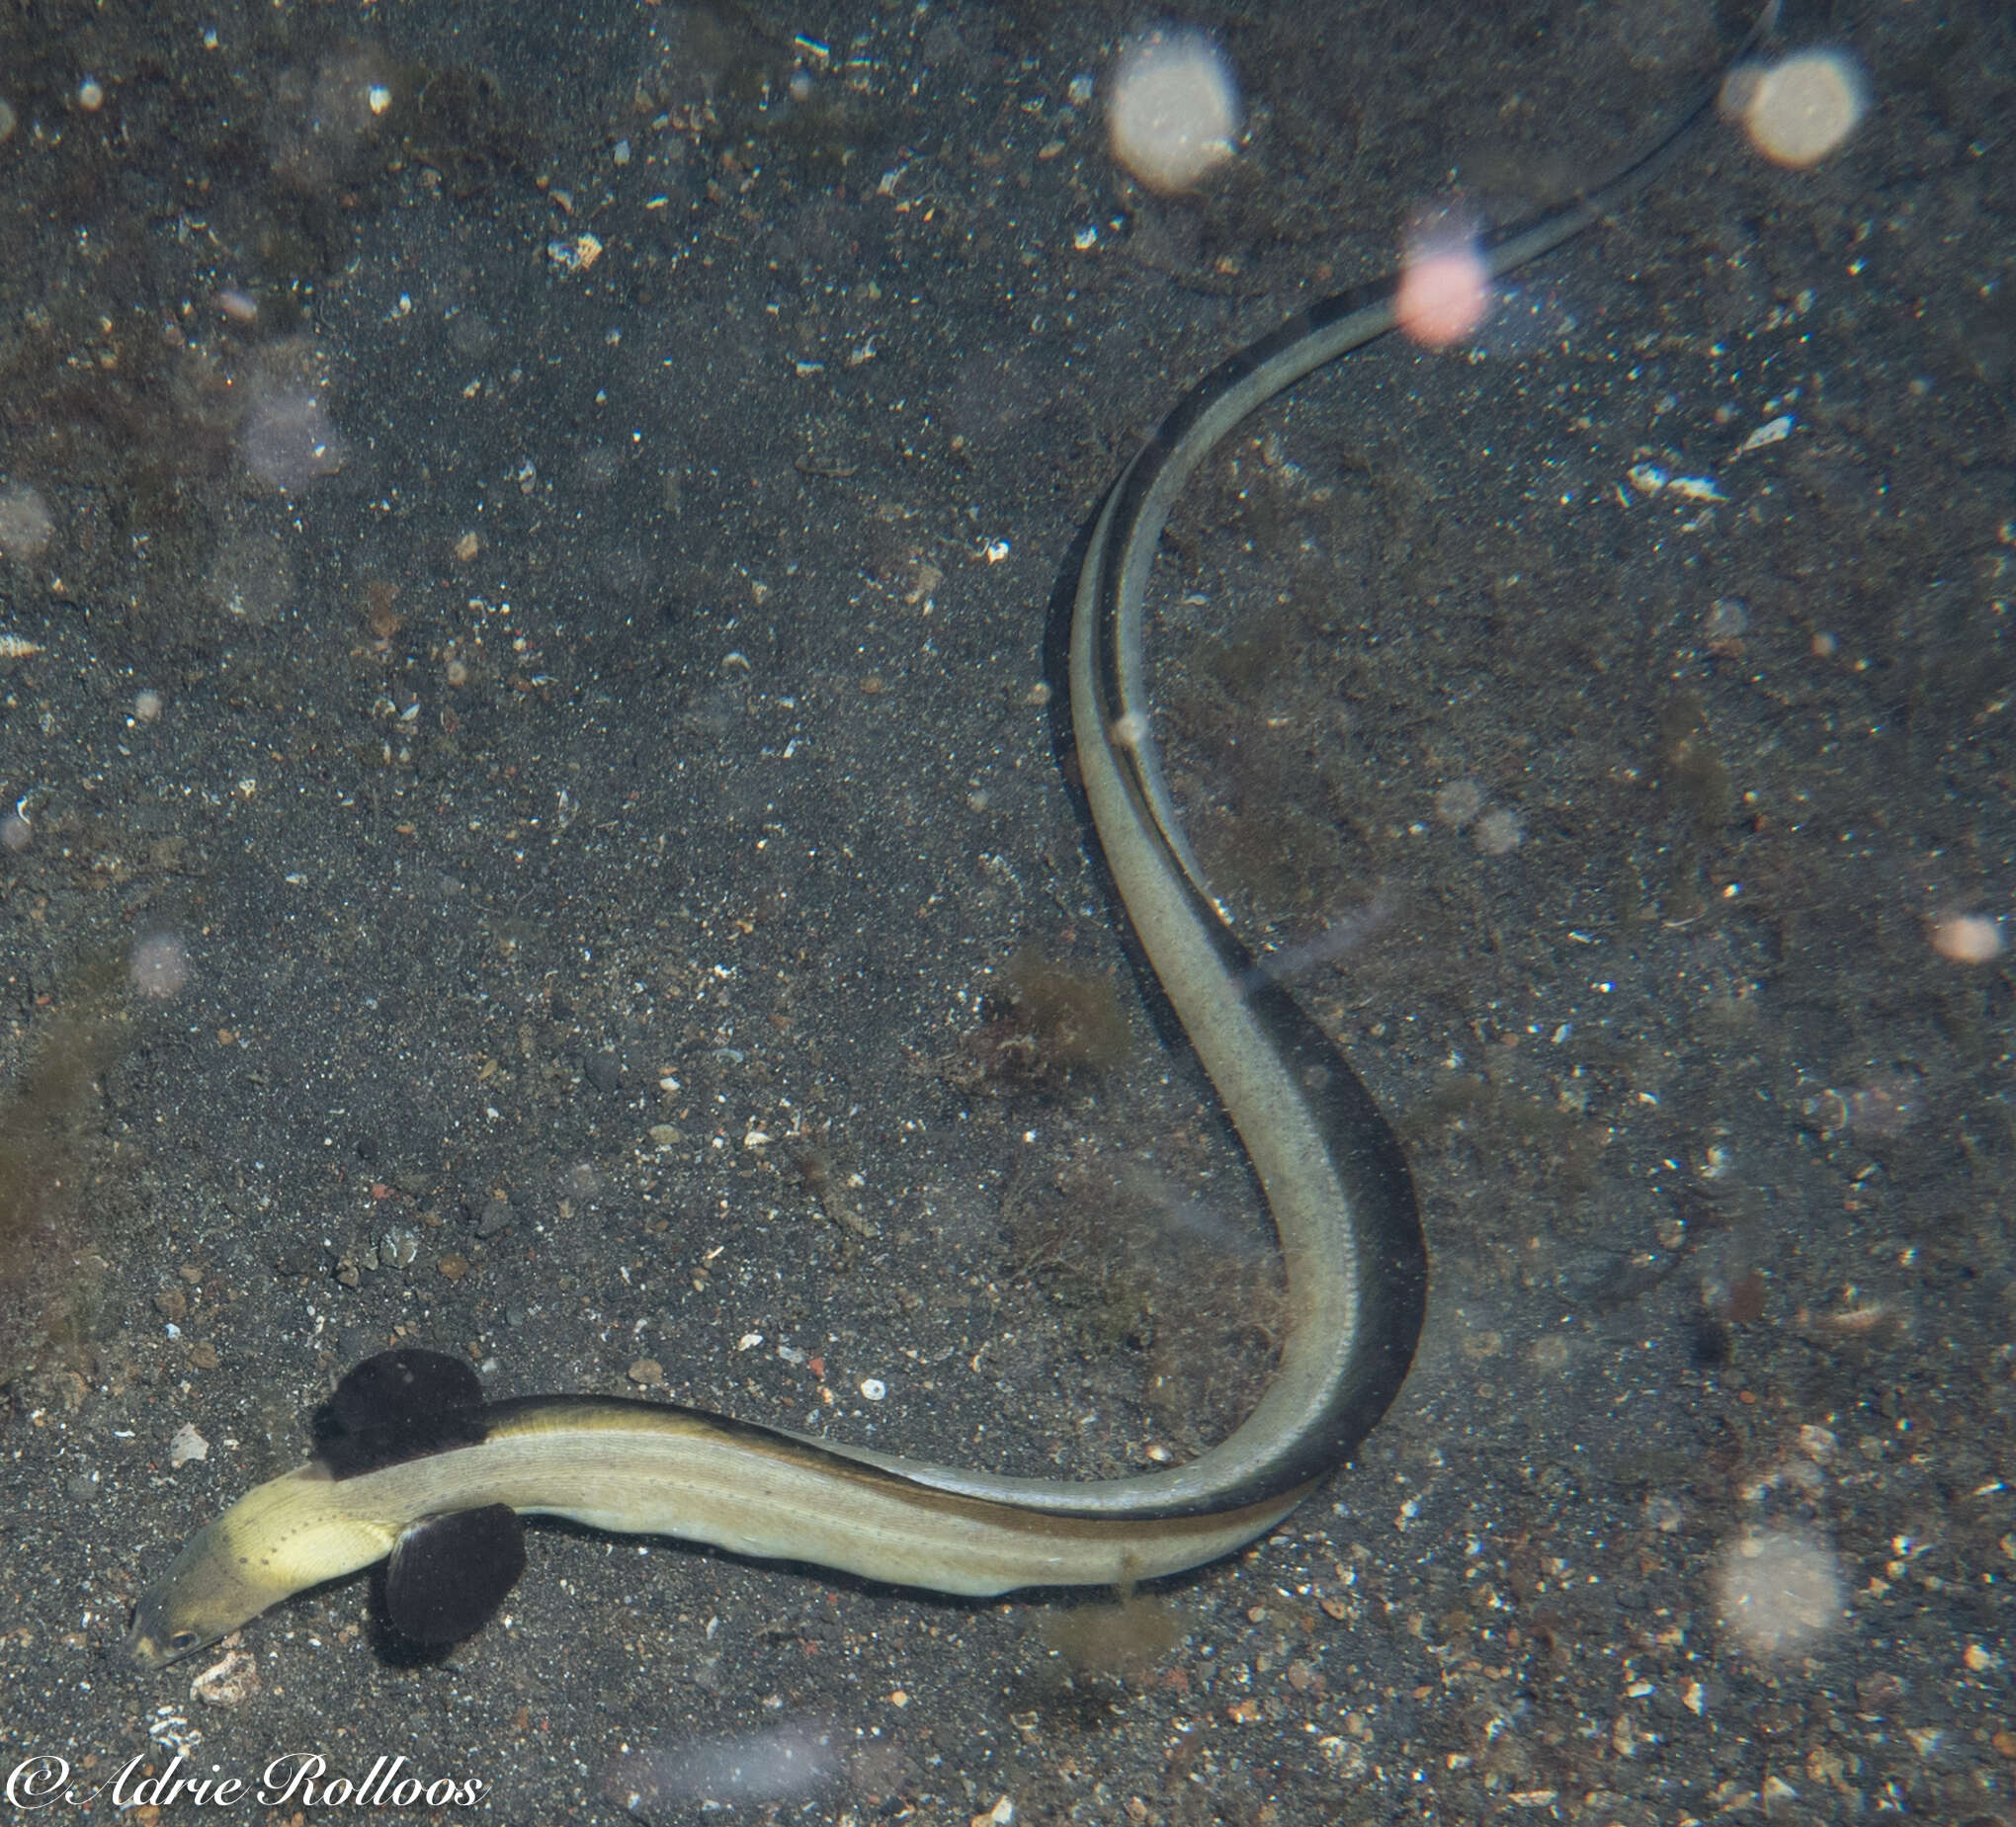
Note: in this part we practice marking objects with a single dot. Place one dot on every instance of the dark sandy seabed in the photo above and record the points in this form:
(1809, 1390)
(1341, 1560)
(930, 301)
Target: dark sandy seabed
(631, 927)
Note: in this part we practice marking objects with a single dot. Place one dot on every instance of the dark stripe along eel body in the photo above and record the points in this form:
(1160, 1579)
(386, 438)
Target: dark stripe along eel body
(414, 1465)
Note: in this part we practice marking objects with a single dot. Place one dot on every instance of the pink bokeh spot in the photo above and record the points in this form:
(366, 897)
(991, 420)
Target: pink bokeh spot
(1444, 290)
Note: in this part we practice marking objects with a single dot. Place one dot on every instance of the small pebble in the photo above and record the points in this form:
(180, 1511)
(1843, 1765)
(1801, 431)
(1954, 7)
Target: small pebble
(186, 1444)
(453, 1267)
(229, 1683)
(649, 1372)
(497, 1217)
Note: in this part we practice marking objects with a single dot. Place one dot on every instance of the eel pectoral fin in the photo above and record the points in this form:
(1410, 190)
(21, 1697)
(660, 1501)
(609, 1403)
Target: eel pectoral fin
(399, 1405)
(449, 1573)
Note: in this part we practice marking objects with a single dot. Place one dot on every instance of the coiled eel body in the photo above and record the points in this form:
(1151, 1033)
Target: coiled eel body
(413, 1464)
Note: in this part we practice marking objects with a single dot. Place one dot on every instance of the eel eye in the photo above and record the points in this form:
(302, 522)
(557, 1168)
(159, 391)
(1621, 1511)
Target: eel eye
(182, 1639)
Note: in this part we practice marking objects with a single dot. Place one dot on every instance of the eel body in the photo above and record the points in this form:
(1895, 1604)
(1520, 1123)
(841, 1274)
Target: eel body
(446, 1516)
(414, 1467)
